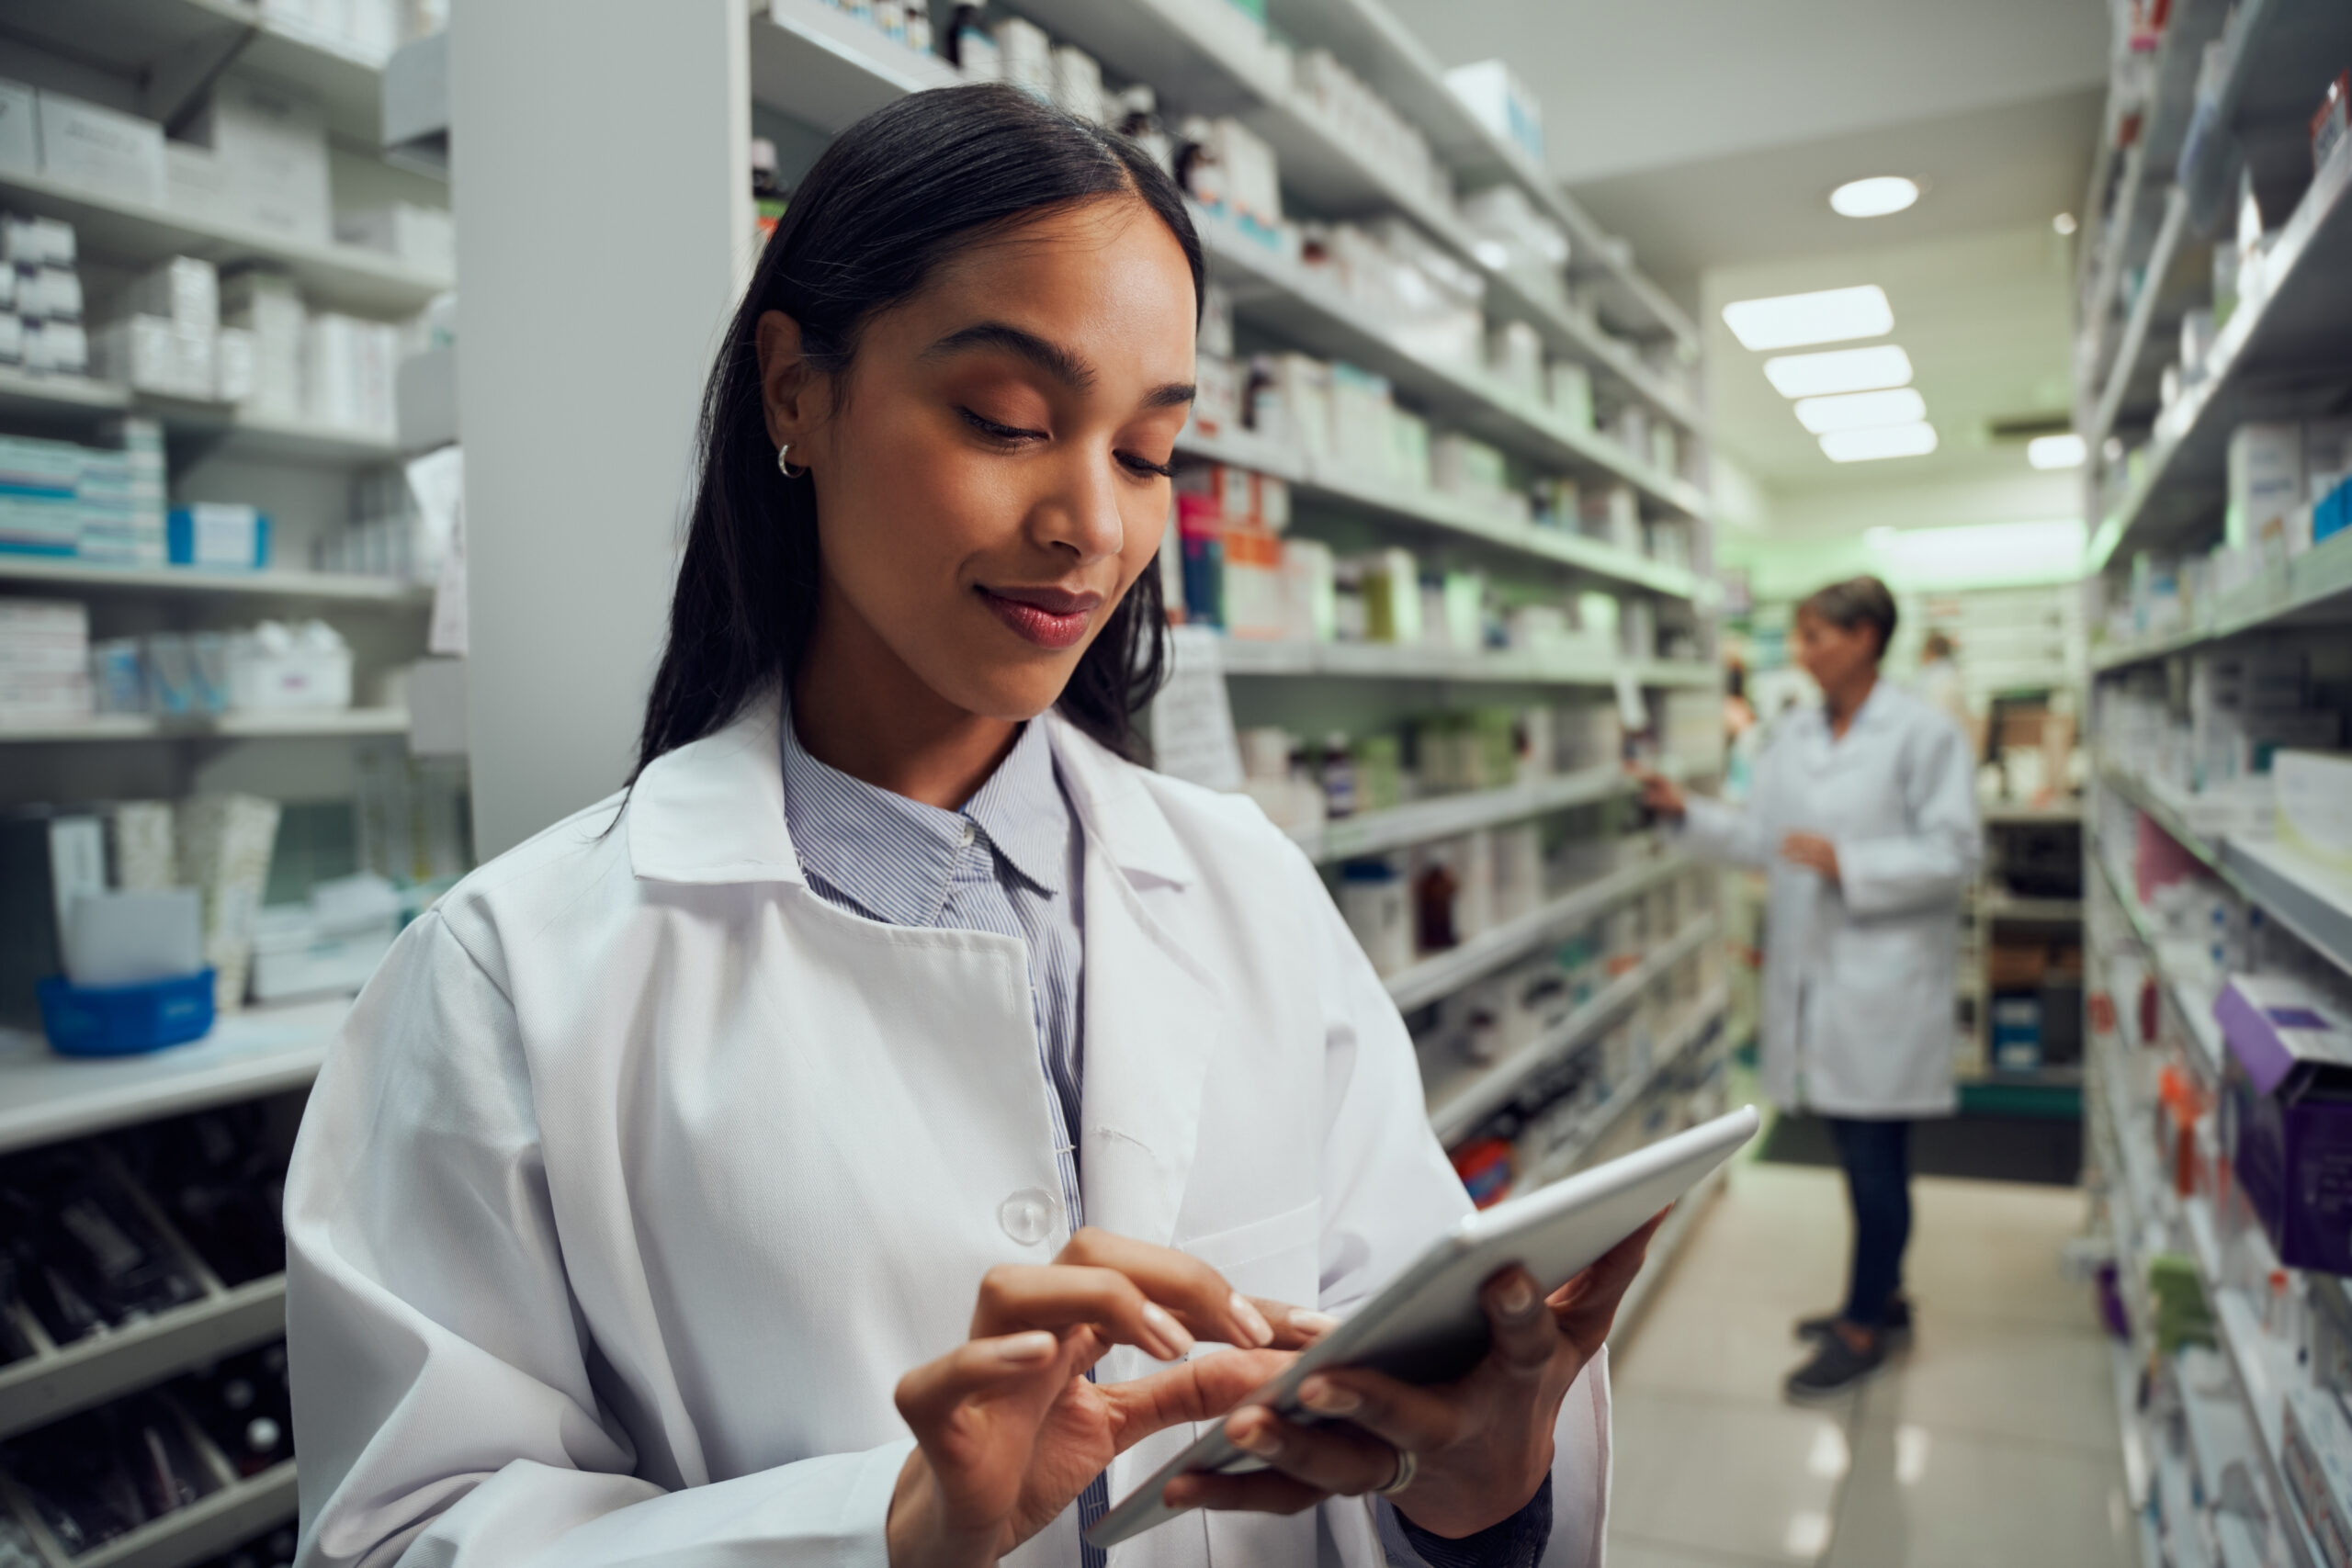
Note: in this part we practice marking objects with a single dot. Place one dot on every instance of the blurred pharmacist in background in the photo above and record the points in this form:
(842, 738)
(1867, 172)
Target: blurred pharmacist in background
(818, 1151)
(1864, 810)
(1939, 684)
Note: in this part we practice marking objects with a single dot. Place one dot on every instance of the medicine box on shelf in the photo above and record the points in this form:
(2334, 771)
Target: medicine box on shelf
(2288, 1116)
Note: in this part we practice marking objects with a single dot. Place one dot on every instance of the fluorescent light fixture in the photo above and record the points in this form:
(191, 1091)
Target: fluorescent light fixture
(1792, 321)
(1838, 370)
(1979, 555)
(1886, 440)
(2065, 451)
(1861, 410)
(1873, 197)
(2063, 224)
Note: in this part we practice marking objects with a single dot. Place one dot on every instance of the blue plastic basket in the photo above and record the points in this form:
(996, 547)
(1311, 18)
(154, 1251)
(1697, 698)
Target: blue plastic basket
(123, 1020)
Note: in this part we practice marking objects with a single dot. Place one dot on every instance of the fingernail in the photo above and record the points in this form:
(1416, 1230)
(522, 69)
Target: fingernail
(1257, 1440)
(1330, 1398)
(1024, 1349)
(1251, 1321)
(1172, 1333)
(1308, 1321)
(1516, 1297)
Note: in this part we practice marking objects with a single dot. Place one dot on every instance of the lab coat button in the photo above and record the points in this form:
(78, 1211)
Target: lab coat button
(1027, 1216)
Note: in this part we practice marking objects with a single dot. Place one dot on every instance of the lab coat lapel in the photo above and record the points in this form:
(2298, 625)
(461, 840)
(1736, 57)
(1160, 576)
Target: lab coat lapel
(1153, 1016)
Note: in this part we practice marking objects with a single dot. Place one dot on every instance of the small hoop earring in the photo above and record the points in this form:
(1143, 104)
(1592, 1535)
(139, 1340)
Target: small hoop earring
(784, 465)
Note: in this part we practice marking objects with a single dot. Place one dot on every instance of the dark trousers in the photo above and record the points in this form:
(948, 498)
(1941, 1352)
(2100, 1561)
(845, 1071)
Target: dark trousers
(1877, 1157)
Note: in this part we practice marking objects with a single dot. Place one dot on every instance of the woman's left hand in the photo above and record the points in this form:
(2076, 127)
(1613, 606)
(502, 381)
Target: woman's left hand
(1812, 851)
(1481, 1446)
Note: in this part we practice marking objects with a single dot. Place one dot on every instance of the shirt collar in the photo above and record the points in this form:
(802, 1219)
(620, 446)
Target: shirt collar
(896, 857)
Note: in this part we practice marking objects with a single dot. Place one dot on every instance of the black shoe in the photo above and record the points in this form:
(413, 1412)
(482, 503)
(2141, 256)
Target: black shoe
(1895, 1330)
(1835, 1371)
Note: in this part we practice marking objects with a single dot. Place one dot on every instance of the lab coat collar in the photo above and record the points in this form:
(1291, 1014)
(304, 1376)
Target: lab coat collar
(712, 811)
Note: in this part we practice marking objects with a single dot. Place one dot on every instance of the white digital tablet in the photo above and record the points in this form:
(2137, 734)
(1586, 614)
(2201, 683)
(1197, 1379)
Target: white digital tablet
(1428, 1325)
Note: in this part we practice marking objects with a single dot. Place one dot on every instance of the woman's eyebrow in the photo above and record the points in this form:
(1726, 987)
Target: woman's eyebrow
(1051, 357)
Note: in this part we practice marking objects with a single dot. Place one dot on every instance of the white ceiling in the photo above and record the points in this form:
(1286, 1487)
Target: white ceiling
(1709, 132)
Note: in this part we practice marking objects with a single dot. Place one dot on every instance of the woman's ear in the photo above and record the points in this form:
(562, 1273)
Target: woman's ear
(794, 395)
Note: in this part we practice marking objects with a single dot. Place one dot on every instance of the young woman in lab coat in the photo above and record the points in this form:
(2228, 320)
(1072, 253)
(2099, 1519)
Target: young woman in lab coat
(821, 1151)
(1864, 812)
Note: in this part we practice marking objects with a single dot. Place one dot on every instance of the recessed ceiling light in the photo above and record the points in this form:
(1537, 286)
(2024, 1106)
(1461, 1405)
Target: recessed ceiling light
(1838, 370)
(1873, 197)
(1887, 441)
(1792, 321)
(2065, 451)
(2063, 224)
(1861, 410)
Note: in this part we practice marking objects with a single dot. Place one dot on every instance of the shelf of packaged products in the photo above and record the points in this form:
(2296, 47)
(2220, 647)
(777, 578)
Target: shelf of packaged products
(2277, 57)
(1268, 286)
(45, 1097)
(330, 275)
(60, 399)
(2314, 904)
(2192, 1004)
(1398, 661)
(827, 68)
(2313, 587)
(2127, 1388)
(2133, 346)
(1686, 1032)
(98, 578)
(61, 1380)
(2148, 162)
(170, 48)
(1398, 66)
(1421, 983)
(1443, 816)
(2303, 320)
(1201, 56)
(1466, 1096)
(1322, 479)
(2264, 1371)
(292, 724)
(236, 1512)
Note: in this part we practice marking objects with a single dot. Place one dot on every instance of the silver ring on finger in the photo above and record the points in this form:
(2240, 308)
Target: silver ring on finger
(1408, 1464)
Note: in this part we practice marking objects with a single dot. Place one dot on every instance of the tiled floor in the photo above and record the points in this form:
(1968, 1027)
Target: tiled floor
(1992, 1442)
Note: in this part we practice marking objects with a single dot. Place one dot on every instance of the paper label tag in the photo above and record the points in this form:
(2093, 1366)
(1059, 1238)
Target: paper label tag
(1192, 721)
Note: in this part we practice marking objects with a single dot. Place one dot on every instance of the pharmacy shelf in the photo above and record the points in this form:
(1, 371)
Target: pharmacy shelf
(1461, 1099)
(59, 1381)
(249, 725)
(2277, 57)
(1423, 821)
(1321, 480)
(173, 47)
(2193, 1005)
(2131, 349)
(2315, 588)
(340, 587)
(1997, 905)
(1441, 973)
(65, 400)
(1201, 56)
(1603, 1119)
(1395, 661)
(2007, 814)
(2261, 365)
(45, 1097)
(826, 68)
(2314, 904)
(1285, 297)
(213, 1523)
(330, 275)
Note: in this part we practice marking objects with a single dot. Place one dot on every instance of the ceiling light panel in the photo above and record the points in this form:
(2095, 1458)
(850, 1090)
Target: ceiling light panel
(1873, 197)
(2065, 451)
(1861, 410)
(1794, 321)
(1887, 441)
(1838, 370)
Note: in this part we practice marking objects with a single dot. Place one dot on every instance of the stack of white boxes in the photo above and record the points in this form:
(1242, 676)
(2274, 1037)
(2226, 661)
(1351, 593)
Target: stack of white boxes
(269, 310)
(268, 162)
(44, 661)
(41, 297)
(167, 342)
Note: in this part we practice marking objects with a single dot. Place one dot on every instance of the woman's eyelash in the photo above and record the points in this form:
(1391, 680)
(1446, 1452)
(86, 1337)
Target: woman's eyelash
(1145, 466)
(1001, 432)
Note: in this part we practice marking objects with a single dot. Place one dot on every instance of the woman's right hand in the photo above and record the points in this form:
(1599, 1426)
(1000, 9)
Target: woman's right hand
(1660, 794)
(1008, 1429)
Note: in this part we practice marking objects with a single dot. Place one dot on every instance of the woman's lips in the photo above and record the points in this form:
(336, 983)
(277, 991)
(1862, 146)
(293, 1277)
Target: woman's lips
(1050, 617)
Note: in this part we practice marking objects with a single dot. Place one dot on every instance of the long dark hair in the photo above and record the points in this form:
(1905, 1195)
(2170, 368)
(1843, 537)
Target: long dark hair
(896, 194)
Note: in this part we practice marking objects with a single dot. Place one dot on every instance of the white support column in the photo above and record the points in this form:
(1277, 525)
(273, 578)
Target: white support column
(601, 178)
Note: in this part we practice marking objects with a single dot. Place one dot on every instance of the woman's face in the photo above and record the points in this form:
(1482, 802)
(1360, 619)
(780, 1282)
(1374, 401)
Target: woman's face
(1833, 655)
(992, 472)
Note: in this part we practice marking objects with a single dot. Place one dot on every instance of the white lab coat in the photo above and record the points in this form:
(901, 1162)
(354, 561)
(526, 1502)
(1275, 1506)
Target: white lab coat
(641, 1174)
(1859, 978)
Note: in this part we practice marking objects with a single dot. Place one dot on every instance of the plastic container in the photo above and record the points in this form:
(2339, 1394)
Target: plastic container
(125, 1021)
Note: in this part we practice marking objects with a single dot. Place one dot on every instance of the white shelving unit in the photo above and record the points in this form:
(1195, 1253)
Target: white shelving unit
(1424, 821)
(86, 577)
